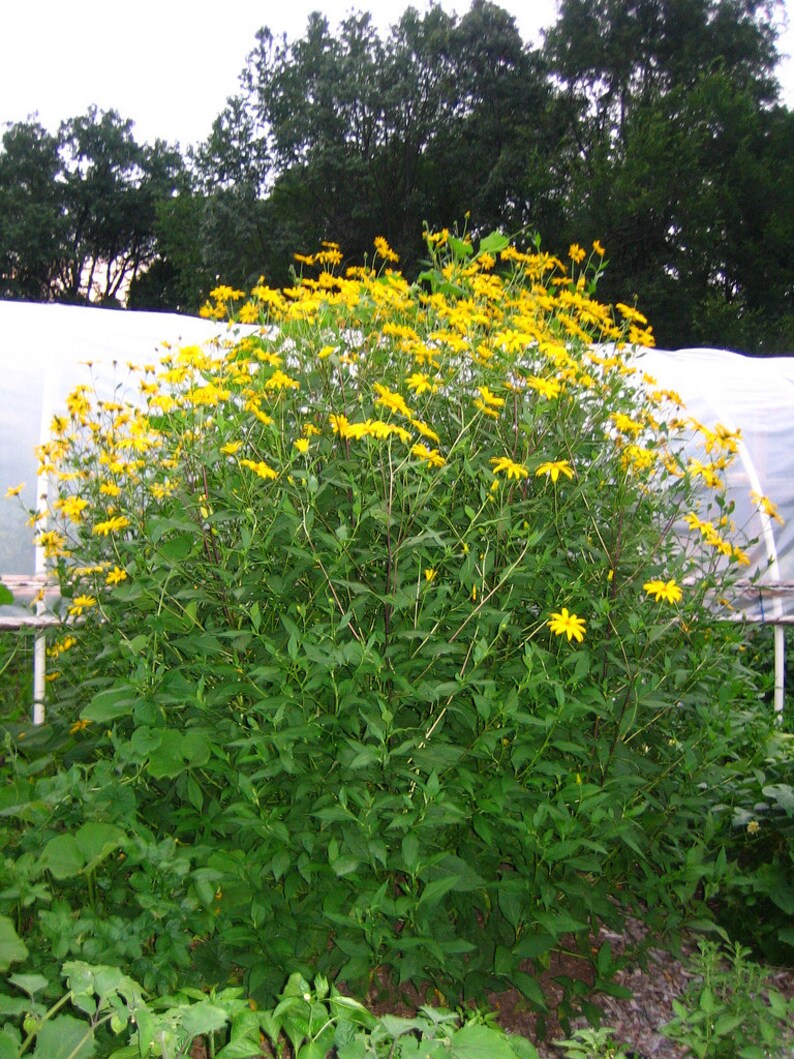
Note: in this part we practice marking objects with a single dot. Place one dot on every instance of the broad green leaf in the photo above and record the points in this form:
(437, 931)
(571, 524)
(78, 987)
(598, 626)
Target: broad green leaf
(435, 890)
(9, 1046)
(96, 840)
(530, 988)
(474, 1041)
(63, 857)
(64, 1037)
(240, 1048)
(178, 751)
(494, 243)
(29, 983)
(203, 1017)
(110, 705)
(14, 1005)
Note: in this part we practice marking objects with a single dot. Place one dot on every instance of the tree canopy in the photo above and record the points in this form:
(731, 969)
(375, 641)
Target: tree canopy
(653, 126)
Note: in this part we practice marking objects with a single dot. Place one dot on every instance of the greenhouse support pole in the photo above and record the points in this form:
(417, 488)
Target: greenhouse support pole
(42, 506)
(780, 671)
(768, 537)
(39, 670)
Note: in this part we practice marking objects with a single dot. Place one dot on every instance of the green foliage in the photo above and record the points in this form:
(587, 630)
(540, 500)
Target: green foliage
(681, 167)
(592, 1043)
(757, 900)
(78, 209)
(16, 672)
(384, 651)
(730, 1011)
(315, 1021)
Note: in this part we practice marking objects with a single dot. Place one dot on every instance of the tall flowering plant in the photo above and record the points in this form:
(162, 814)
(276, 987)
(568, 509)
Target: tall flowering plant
(390, 607)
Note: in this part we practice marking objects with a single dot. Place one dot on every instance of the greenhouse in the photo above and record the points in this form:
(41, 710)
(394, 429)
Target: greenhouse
(47, 350)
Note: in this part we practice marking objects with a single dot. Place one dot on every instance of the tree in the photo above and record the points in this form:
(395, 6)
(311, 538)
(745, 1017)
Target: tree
(112, 187)
(31, 211)
(78, 209)
(671, 108)
(348, 136)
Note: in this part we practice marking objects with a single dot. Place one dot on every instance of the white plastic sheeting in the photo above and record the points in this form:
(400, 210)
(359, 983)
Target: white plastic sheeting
(755, 396)
(45, 351)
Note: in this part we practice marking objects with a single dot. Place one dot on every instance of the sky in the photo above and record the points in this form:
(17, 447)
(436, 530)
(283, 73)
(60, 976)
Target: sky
(170, 68)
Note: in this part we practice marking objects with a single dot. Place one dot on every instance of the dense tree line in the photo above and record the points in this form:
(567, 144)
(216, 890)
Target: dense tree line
(651, 125)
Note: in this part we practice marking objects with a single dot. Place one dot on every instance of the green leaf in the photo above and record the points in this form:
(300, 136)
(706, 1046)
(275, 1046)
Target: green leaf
(63, 857)
(203, 1017)
(782, 794)
(494, 243)
(460, 248)
(9, 1048)
(97, 840)
(530, 988)
(29, 983)
(476, 1041)
(14, 1005)
(178, 751)
(6, 596)
(435, 890)
(12, 947)
(522, 1048)
(111, 704)
(64, 1037)
(240, 1048)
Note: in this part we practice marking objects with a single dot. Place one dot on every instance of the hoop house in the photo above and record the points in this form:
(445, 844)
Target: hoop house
(46, 350)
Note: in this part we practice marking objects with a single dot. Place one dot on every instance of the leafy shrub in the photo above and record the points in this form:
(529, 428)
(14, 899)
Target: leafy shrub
(757, 896)
(389, 645)
(729, 1010)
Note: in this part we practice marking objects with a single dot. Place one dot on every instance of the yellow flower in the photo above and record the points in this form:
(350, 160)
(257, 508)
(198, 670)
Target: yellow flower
(279, 381)
(384, 250)
(490, 398)
(562, 623)
(111, 525)
(483, 407)
(302, 445)
(549, 388)
(261, 468)
(503, 464)
(81, 603)
(668, 591)
(230, 447)
(763, 502)
(420, 383)
(752, 827)
(79, 726)
(341, 425)
(576, 253)
(72, 507)
(52, 542)
(430, 574)
(431, 456)
(14, 490)
(116, 576)
(554, 468)
(393, 401)
(598, 248)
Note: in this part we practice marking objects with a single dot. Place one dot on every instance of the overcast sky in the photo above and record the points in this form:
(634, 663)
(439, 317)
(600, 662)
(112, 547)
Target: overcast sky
(169, 66)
